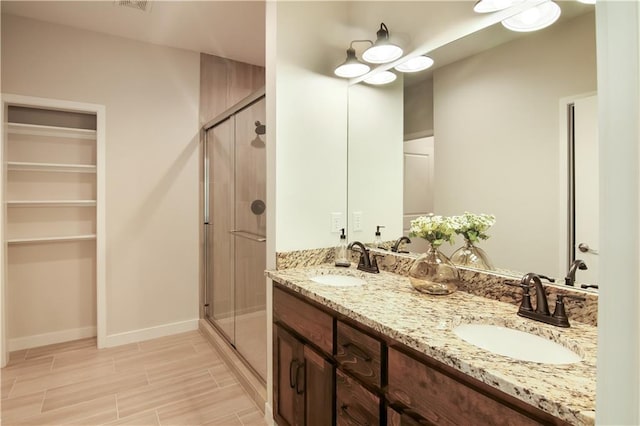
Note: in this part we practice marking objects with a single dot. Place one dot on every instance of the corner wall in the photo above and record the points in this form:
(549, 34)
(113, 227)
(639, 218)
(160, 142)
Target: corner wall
(151, 94)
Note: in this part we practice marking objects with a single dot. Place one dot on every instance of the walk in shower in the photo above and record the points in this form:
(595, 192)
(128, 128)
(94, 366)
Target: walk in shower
(235, 228)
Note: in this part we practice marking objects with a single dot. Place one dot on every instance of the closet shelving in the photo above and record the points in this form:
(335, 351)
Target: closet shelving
(27, 169)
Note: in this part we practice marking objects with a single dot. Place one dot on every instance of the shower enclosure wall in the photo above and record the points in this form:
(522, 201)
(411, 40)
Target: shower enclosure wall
(235, 228)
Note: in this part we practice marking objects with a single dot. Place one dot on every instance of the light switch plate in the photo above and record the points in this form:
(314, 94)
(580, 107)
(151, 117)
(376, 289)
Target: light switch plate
(357, 221)
(336, 222)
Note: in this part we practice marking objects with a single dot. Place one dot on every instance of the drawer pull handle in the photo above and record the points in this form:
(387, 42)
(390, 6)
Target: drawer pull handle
(299, 389)
(347, 413)
(357, 351)
(292, 379)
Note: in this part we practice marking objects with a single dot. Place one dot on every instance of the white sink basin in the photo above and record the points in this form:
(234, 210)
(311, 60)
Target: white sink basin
(515, 344)
(338, 280)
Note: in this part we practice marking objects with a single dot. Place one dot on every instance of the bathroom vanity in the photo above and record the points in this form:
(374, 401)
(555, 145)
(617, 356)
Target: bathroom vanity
(381, 353)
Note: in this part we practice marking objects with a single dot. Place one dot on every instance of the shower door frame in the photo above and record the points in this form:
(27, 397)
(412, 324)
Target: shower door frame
(243, 104)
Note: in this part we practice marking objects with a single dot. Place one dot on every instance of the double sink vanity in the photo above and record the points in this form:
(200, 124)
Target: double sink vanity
(358, 348)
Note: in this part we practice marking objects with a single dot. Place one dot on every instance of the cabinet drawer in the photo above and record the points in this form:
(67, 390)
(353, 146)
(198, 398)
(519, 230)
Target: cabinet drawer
(443, 400)
(360, 354)
(308, 321)
(355, 406)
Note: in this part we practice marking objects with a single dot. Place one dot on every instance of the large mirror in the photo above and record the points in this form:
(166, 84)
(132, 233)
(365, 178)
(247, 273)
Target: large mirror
(489, 129)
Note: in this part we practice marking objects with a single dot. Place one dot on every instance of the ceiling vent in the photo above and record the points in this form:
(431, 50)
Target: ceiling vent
(143, 5)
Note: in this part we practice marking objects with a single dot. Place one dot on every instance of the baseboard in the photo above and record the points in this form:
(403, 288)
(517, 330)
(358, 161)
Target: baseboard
(268, 414)
(50, 338)
(150, 333)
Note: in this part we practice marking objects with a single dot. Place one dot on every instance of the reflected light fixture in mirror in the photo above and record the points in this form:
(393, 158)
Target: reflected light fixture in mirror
(535, 18)
(382, 51)
(383, 77)
(352, 67)
(488, 6)
(415, 64)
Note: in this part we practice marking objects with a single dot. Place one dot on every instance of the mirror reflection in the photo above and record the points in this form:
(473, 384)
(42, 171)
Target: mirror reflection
(505, 124)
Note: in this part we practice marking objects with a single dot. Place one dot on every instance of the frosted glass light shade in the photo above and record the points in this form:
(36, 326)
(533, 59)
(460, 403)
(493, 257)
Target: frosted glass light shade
(352, 70)
(382, 53)
(488, 6)
(352, 67)
(535, 18)
(415, 64)
(383, 77)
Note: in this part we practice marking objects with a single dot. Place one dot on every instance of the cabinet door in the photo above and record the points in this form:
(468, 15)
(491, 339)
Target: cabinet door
(288, 383)
(319, 384)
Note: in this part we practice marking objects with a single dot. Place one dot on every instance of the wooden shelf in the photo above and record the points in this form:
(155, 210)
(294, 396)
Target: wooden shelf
(61, 132)
(87, 237)
(51, 203)
(50, 167)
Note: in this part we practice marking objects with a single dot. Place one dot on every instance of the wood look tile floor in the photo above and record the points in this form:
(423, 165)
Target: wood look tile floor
(174, 380)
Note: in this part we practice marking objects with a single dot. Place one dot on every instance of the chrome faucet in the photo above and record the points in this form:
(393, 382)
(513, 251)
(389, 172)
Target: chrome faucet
(366, 263)
(396, 245)
(541, 312)
(570, 279)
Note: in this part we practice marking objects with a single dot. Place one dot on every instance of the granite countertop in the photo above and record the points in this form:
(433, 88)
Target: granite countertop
(389, 305)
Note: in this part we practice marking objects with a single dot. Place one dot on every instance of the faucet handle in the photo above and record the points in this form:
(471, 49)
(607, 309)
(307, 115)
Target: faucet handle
(525, 305)
(544, 277)
(559, 313)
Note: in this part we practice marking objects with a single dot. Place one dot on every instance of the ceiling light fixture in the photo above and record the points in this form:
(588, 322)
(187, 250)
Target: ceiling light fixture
(383, 77)
(488, 6)
(382, 51)
(415, 64)
(535, 18)
(352, 67)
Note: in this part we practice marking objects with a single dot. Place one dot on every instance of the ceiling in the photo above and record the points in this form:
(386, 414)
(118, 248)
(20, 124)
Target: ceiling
(231, 29)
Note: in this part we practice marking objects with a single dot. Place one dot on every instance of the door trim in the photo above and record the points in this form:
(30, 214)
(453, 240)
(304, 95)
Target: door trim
(564, 191)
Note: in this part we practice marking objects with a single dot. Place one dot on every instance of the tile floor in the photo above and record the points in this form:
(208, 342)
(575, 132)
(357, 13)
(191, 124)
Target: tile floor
(175, 380)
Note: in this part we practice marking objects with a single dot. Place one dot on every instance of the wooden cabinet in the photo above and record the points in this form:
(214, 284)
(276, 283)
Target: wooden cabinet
(376, 381)
(355, 406)
(303, 382)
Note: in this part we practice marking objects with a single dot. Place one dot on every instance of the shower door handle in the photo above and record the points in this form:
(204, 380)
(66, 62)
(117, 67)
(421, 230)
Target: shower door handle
(248, 235)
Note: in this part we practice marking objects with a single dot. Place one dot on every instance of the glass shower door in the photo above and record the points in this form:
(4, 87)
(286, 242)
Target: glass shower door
(220, 243)
(250, 236)
(235, 161)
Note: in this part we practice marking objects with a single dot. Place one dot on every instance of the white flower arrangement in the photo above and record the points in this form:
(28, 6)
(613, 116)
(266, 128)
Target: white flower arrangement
(473, 227)
(435, 229)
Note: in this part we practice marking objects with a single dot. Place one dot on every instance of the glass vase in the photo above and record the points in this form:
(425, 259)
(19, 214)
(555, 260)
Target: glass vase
(433, 273)
(471, 256)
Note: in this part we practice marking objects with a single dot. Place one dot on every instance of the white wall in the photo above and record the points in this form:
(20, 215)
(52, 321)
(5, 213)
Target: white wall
(151, 98)
(496, 127)
(310, 123)
(618, 379)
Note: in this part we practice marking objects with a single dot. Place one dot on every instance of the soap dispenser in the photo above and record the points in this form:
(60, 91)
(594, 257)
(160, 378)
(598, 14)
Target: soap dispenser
(341, 252)
(377, 242)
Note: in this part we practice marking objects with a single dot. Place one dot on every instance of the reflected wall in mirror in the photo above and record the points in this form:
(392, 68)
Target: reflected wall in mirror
(497, 111)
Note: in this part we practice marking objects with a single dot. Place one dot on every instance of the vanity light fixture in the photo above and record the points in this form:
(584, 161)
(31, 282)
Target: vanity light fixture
(535, 18)
(587, 1)
(488, 6)
(382, 51)
(380, 78)
(415, 64)
(352, 67)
